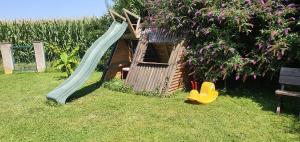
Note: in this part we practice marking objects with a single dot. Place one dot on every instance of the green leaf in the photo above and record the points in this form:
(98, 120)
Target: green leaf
(64, 57)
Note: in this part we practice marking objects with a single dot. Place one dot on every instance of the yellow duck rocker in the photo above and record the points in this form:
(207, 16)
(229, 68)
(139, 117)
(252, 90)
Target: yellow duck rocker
(207, 93)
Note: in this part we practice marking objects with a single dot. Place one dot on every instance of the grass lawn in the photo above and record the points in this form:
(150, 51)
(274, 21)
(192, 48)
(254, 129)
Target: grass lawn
(104, 115)
(1, 67)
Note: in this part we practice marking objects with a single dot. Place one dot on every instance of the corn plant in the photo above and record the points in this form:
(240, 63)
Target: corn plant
(59, 36)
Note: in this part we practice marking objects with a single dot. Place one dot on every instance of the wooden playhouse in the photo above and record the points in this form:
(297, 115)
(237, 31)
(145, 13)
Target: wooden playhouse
(147, 59)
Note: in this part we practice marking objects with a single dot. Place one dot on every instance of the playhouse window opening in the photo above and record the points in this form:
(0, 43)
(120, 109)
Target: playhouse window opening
(132, 46)
(157, 53)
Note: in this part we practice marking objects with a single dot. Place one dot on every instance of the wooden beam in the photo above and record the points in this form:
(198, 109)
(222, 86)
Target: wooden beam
(113, 14)
(135, 31)
(132, 14)
(131, 28)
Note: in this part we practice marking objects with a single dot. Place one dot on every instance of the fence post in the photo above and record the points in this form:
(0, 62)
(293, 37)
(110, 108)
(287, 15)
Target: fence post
(39, 56)
(7, 58)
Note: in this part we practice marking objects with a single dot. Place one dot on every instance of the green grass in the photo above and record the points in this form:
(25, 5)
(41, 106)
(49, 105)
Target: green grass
(104, 115)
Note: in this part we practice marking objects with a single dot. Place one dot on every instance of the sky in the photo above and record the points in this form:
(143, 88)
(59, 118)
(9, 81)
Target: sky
(51, 9)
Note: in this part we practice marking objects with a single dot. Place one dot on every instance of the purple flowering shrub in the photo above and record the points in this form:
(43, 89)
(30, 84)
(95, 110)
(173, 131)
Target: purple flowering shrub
(240, 38)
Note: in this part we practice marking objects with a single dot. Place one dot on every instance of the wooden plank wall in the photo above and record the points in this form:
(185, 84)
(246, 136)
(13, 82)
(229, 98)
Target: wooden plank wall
(173, 63)
(147, 77)
(152, 77)
(177, 79)
(121, 58)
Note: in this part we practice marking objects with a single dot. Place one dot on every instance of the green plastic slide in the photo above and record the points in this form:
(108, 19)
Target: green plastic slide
(88, 63)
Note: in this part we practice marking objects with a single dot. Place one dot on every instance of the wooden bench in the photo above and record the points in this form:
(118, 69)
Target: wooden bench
(288, 76)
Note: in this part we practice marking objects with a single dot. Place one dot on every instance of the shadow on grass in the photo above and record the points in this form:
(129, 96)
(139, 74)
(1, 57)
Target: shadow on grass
(267, 100)
(261, 91)
(84, 91)
(76, 95)
(62, 77)
(52, 103)
(192, 102)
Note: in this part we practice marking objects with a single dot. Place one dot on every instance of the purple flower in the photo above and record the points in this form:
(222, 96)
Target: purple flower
(248, 1)
(205, 31)
(209, 14)
(291, 5)
(194, 24)
(223, 5)
(209, 46)
(260, 45)
(279, 56)
(263, 1)
(197, 13)
(254, 76)
(273, 34)
(237, 77)
(286, 31)
(221, 17)
(190, 61)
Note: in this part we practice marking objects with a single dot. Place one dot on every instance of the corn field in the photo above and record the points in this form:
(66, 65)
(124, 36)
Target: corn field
(57, 35)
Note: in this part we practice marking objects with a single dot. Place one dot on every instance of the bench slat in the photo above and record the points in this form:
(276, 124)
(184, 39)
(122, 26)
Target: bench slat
(290, 76)
(287, 93)
(290, 71)
(289, 80)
